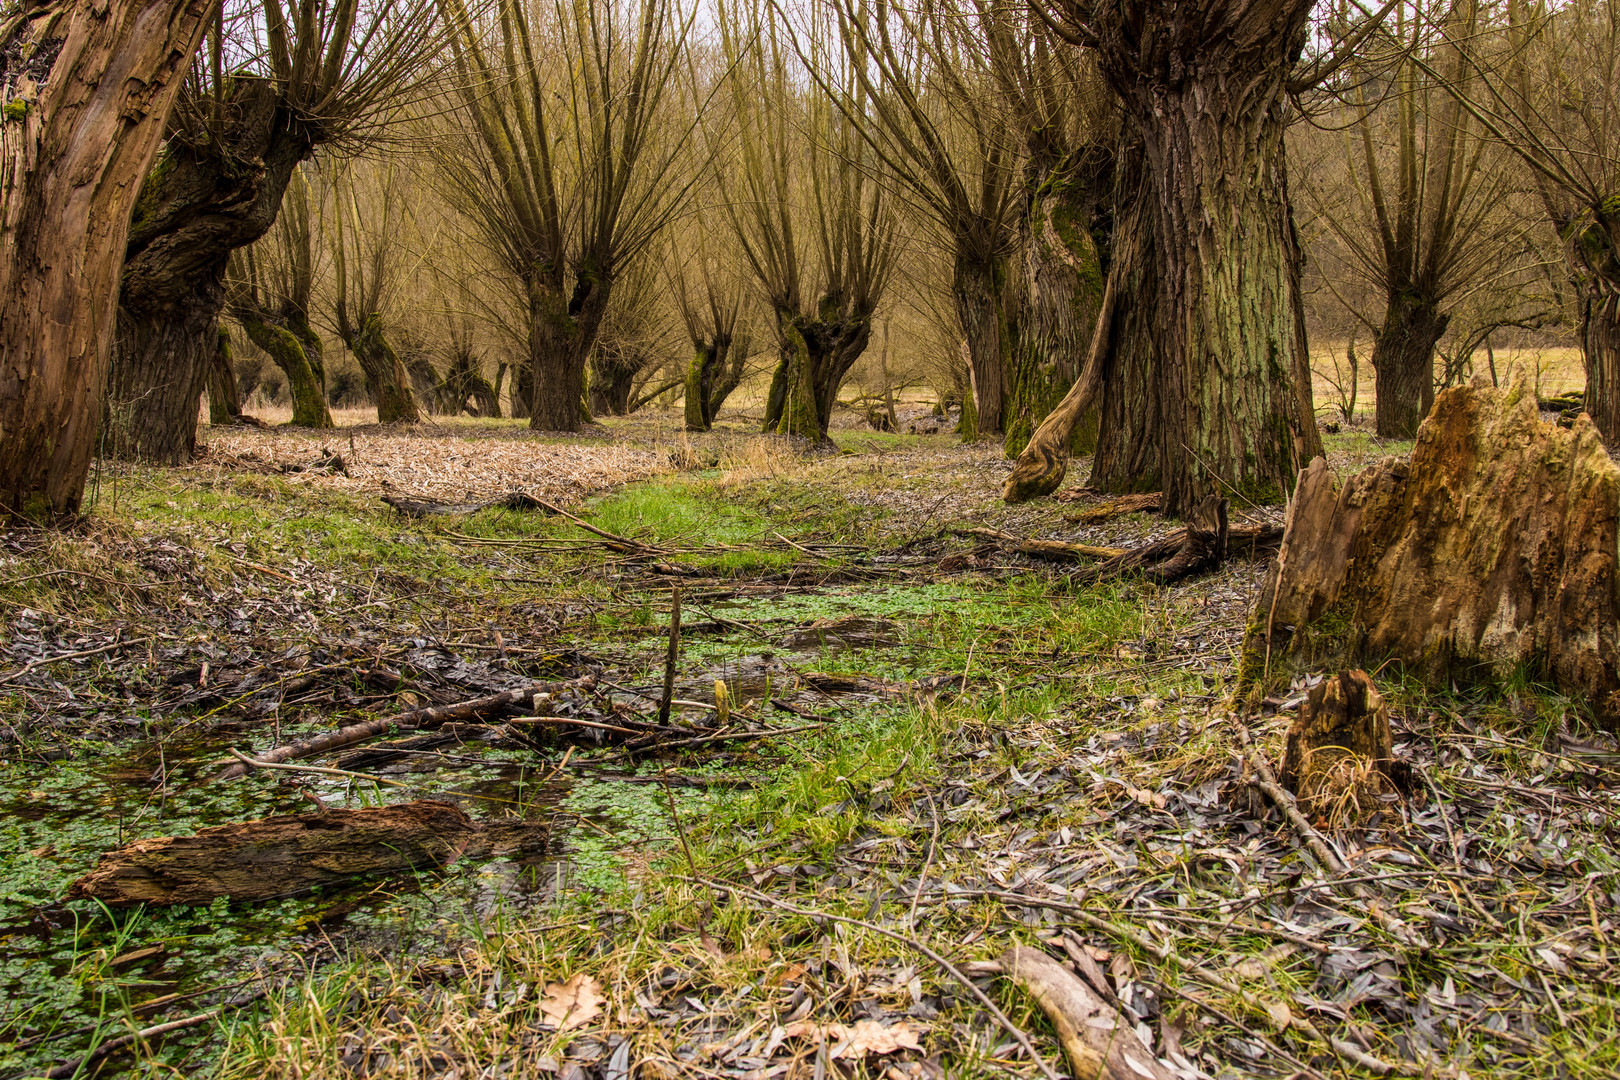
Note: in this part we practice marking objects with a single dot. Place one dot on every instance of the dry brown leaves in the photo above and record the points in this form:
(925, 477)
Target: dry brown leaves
(852, 1042)
(572, 1004)
(434, 465)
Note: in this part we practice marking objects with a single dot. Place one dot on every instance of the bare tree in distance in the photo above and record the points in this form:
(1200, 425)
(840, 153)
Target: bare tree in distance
(569, 162)
(710, 294)
(366, 252)
(85, 94)
(815, 228)
(1547, 85)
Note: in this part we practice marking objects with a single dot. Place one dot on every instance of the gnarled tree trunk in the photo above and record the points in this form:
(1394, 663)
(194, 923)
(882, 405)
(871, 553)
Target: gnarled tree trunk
(715, 372)
(816, 355)
(86, 90)
(290, 354)
(199, 204)
(1403, 358)
(562, 332)
(1204, 89)
(386, 379)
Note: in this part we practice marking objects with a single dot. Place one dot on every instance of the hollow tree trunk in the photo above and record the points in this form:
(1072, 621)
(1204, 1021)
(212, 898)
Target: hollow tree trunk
(75, 146)
(979, 287)
(202, 202)
(1403, 359)
(224, 400)
(562, 332)
(386, 378)
(288, 352)
(1205, 90)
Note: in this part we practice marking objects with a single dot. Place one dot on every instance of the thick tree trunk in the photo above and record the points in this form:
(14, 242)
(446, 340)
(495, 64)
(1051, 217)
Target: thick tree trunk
(1127, 455)
(1059, 291)
(816, 356)
(198, 205)
(1205, 91)
(714, 374)
(386, 378)
(159, 369)
(224, 398)
(562, 332)
(1403, 359)
(612, 384)
(980, 289)
(83, 116)
(289, 354)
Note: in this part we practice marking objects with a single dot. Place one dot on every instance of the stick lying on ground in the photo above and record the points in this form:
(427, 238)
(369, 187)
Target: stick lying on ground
(1100, 1044)
(433, 716)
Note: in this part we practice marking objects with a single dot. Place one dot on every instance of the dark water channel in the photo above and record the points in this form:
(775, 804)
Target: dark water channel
(67, 966)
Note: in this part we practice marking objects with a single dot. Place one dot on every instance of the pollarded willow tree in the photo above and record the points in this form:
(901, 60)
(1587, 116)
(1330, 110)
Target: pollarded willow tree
(276, 82)
(1547, 86)
(366, 241)
(575, 123)
(923, 97)
(815, 227)
(1418, 200)
(1221, 400)
(85, 92)
(710, 294)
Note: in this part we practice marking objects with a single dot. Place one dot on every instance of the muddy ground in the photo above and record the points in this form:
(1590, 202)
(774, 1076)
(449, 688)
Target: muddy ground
(934, 743)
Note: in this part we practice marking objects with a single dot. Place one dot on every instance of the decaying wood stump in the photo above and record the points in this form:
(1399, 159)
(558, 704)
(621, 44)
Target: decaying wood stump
(1339, 758)
(289, 855)
(1492, 550)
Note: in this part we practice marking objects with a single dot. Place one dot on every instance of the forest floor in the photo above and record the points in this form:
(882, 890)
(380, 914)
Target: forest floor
(937, 745)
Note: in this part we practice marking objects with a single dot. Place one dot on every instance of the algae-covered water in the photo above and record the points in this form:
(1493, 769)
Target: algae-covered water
(68, 969)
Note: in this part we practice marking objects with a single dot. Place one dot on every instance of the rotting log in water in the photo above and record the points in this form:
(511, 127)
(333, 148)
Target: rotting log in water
(292, 854)
(1491, 552)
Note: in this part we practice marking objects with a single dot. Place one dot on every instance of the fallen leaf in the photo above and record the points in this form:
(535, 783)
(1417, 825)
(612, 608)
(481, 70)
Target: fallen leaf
(852, 1042)
(572, 1004)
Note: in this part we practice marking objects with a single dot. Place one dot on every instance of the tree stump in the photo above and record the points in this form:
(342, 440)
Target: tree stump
(1491, 552)
(1339, 758)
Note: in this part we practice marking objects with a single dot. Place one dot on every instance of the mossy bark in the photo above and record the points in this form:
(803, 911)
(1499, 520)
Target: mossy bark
(285, 348)
(1225, 338)
(715, 372)
(817, 354)
(386, 378)
(1060, 289)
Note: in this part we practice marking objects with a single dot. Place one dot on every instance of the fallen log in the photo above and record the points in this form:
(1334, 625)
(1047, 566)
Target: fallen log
(292, 854)
(425, 719)
(1492, 551)
(512, 500)
(1178, 554)
(1099, 1043)
(1147, 502)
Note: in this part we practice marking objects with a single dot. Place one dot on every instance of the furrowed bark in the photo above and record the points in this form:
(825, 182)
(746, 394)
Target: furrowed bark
(84, 116)
(290, 355)
(1403, 358)
(199, 204)
(979, 287)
